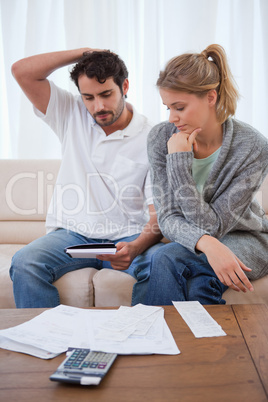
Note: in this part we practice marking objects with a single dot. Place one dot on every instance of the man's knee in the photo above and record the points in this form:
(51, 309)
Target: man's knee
(19, 261)
(23, 261)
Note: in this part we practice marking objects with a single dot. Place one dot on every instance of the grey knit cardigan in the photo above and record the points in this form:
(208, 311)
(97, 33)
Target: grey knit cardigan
(226, 209)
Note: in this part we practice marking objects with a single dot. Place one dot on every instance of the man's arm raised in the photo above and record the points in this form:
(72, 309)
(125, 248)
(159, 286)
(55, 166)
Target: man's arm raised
(31, 73)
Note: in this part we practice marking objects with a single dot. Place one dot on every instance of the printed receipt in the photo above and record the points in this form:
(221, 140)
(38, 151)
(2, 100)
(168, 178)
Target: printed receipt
(198, 319)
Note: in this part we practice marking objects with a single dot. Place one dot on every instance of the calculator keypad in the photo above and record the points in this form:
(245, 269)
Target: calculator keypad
(82, 359)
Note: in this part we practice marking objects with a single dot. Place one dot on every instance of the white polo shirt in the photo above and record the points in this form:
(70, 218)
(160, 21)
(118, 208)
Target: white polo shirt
(103, 187)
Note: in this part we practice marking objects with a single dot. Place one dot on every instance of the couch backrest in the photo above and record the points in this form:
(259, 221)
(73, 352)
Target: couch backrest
(26, 188)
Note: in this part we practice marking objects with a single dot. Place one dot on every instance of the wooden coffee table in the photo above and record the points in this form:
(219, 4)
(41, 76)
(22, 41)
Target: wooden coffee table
(228, 368)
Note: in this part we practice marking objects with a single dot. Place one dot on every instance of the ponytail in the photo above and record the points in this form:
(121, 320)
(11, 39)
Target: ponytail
(227, 90)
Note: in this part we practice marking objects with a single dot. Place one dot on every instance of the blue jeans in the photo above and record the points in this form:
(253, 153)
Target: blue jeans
(36, 266)
(177, 274)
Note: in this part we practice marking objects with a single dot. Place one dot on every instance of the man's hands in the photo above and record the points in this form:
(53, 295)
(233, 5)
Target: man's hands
(126, 252)
(183, 142)
(228, 268)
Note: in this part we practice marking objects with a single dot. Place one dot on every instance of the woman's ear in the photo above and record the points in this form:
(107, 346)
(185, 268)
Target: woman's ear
(212, 97)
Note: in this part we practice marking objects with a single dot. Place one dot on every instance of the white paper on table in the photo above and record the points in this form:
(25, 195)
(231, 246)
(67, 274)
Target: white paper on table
(158, 339)
(198, 319)
(45, 336)
(15, 346)
(127, 321)
(61, 328)
(129, 316)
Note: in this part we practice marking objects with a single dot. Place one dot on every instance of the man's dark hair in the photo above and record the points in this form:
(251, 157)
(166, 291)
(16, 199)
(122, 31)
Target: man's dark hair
(101, 65)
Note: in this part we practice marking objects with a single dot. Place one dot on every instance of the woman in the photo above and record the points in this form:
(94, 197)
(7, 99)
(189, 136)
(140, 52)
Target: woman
(206, 168)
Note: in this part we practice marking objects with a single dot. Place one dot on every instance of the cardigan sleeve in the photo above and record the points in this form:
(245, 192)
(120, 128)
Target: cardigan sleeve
(171, 219)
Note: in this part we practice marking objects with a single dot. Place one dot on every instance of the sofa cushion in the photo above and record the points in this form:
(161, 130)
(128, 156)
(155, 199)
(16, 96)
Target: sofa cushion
(112, 288)
(76, 288)
(259, 295)
(6, 287)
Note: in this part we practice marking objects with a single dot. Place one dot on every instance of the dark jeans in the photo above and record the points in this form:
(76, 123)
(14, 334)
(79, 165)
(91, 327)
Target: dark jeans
(177, 274)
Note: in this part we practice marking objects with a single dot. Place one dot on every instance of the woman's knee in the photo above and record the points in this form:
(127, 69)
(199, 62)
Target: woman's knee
(171, 253)
(168, 261)
(206, 290)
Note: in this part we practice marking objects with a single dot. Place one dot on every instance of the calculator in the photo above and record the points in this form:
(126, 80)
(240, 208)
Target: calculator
(84, 367)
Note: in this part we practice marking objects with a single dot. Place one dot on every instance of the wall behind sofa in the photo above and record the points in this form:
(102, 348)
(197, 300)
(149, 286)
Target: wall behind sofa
(146, 34)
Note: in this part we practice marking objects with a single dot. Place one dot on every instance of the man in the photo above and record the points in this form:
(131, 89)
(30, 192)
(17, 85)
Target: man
(103, 190)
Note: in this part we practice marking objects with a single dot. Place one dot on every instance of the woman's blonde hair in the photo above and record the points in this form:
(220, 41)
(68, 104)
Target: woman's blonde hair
(198, 73)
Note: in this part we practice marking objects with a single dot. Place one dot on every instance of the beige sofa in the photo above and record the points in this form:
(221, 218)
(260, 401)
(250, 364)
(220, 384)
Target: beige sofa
(25, 190)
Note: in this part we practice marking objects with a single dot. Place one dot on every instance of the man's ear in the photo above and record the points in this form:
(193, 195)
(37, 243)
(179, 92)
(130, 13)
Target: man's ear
(212, 97)
(125, 87)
